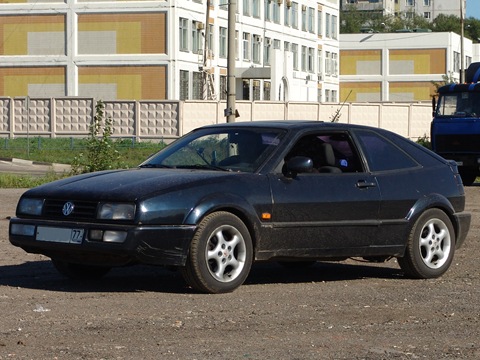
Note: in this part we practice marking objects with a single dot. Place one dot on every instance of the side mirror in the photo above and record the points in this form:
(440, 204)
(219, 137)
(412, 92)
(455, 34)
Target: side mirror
(298, 165)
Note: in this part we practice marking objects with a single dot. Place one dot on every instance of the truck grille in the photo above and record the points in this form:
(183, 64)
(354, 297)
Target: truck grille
(83, 210)
(457, 143)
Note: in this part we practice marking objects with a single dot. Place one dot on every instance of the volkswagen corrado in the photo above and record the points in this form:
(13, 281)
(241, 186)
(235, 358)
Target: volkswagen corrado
(223, 196)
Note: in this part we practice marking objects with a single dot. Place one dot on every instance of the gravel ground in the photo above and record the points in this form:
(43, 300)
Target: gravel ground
(348, 310)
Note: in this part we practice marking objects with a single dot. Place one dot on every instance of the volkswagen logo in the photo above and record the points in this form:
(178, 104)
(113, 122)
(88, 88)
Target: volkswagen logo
(68, 208)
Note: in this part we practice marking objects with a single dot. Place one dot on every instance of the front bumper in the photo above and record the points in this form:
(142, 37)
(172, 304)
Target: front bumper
(157, 245)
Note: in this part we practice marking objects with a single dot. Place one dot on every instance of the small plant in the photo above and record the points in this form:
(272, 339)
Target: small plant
(100, 153)
(425, 141)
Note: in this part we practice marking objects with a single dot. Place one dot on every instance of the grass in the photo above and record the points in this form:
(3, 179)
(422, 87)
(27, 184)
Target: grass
(63, 151)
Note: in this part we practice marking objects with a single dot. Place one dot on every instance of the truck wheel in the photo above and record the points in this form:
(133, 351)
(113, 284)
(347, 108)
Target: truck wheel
(430, 246)
(221, 254)
(468, 176)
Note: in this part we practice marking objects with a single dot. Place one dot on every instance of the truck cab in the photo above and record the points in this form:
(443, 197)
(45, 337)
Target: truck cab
(455, 129)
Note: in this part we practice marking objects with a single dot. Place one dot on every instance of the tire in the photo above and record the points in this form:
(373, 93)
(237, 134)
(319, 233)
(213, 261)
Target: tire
(220, 256)
(78, 271)
(430, 247)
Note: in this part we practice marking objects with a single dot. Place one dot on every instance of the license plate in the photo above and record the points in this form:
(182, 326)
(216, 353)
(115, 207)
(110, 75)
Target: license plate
(60, 235)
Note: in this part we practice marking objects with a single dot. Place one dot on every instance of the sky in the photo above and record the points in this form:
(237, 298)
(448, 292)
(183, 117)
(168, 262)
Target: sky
(473, 9)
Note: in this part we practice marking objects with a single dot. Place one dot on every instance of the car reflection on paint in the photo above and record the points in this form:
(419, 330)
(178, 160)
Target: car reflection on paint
(226, 195)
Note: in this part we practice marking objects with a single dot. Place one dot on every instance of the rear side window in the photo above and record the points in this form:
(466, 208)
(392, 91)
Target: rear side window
(381, 154)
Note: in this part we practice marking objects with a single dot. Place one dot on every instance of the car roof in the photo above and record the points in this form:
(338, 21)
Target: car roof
(288, 124)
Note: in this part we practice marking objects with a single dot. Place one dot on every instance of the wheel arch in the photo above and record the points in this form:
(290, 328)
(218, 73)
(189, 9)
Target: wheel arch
(231, 203)
(432, 201)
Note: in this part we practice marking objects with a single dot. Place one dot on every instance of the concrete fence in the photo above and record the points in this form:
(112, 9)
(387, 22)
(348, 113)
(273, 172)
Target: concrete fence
(167, 120)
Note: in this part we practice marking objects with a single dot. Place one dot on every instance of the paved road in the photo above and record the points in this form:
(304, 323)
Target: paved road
(27, 167)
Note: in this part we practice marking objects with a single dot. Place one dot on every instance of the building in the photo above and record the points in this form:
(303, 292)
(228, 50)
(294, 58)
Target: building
(399, 66)
(384, 7)
(430, 9)
(172, 50)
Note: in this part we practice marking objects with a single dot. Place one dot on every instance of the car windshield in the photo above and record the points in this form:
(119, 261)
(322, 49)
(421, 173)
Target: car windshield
(461, 104)
(219, 149)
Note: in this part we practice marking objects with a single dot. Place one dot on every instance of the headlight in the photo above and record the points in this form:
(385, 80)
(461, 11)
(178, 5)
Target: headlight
(29, 206)
(113, 211)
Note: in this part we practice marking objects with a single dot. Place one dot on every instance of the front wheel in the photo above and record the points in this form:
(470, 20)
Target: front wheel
(220, 256)
(430, 246)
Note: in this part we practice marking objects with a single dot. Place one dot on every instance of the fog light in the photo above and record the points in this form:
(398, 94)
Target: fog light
(21, 229)
(96, 235)
(114, 236)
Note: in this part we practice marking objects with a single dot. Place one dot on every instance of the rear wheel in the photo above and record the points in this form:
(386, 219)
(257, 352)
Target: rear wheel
(79, 271)
(430, 246)
(220, 254)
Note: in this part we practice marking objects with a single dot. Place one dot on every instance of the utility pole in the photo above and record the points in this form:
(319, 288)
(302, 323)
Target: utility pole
(462, 65)
(230, 111)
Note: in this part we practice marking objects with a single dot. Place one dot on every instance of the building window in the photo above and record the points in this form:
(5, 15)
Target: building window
(223, 42)
(197, 43)
(311, 20)
(223, 87)
(427, 15)
(295, 56)
(256, 9)
(328, 63)
(287, 15)
(236, 44)
(294, 14)
(276, 44)
(311, 56)
(304, 18)
(456, 61)
(327, 95)
(327, 25)
(334, 63)
(426, 2)
(410, 2)
(268, 10)
(266, 51)
(276, 12)
(246, 7)
(183, 34)
(333, 96)
(304, 58)
(256, 90)
(197, 86)
(256, 46)
(246, 46)
(319, 62)
(334, 27)
(286, 46)
(211, 43)
(184, 85)
(319, 23)
(319, 95)
(266, 90)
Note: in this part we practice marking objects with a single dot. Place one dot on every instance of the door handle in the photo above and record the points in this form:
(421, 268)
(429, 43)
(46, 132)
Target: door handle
(365, 184)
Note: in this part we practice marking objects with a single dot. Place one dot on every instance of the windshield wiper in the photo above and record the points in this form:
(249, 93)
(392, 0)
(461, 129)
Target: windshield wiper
(202, 166)
(155, 166)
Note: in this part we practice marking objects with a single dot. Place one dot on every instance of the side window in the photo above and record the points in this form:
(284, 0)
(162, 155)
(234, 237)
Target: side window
(330, 152)
(381, 154)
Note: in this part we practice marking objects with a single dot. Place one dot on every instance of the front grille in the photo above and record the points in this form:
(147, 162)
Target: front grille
(457, 143)
(83, 210)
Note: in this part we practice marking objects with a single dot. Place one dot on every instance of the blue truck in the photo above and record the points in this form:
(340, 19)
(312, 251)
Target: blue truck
(455, 128)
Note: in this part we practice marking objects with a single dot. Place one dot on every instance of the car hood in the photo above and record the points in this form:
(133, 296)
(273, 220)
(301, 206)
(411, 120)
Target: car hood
(127, 185)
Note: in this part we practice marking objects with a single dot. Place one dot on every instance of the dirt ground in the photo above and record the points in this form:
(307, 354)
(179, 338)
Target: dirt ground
(348, 310)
